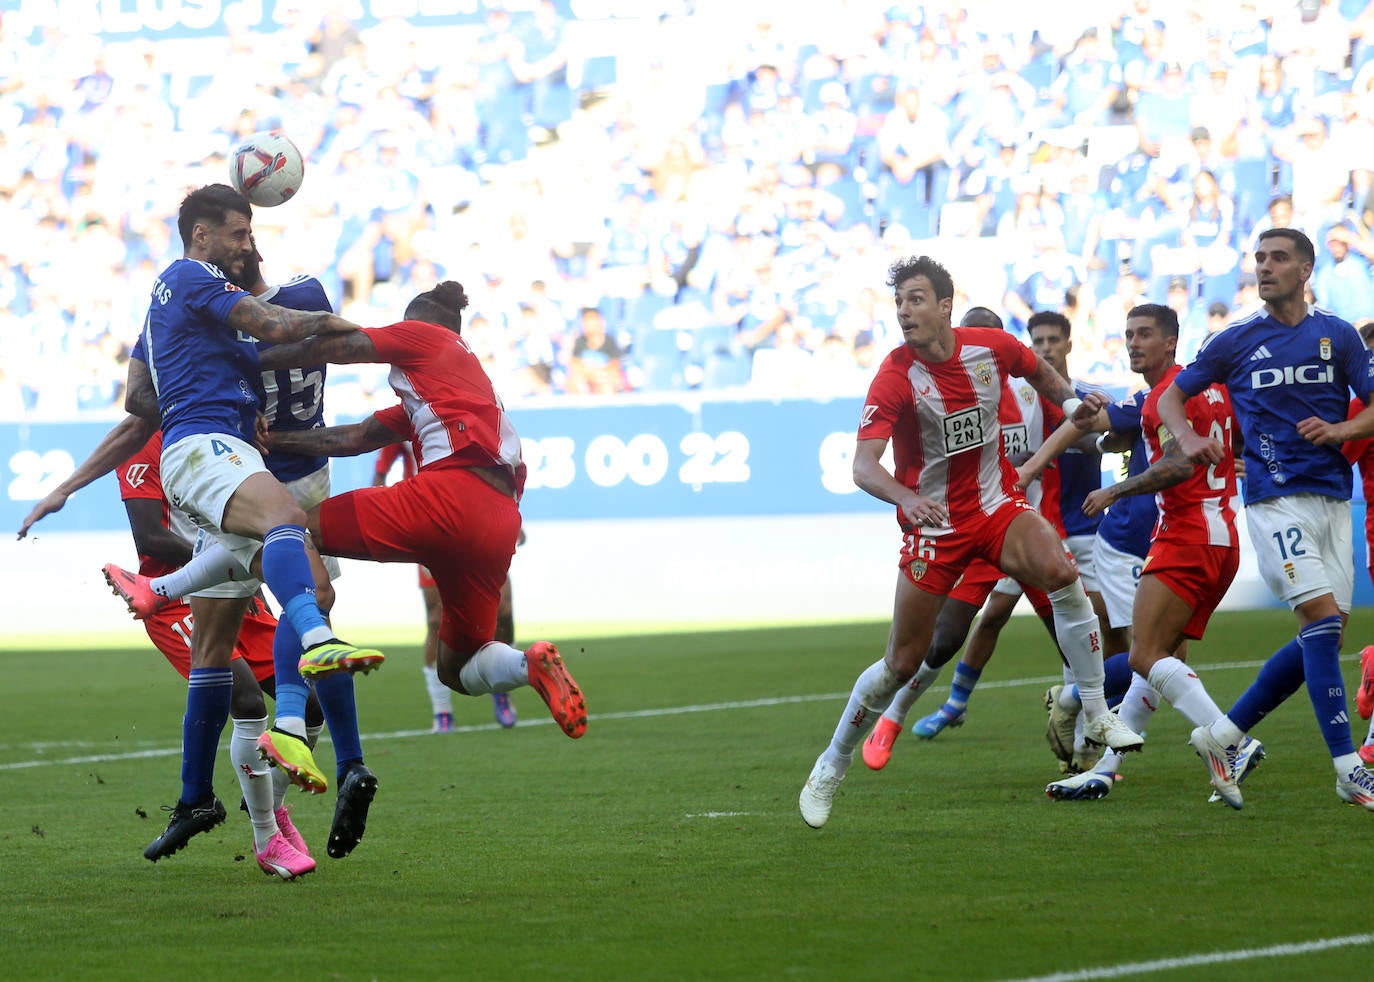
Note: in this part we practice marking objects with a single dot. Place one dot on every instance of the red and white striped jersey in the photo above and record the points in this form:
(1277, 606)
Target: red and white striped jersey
(448, 407)
(1201, 510)
(140, 477)
(944, 421)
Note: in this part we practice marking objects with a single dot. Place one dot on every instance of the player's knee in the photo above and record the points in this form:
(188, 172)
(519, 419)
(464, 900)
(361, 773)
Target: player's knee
(247, 701)
(1141, 663)
(449, 671)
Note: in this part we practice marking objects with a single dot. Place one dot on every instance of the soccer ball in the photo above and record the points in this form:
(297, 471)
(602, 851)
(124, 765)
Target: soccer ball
(267, 169)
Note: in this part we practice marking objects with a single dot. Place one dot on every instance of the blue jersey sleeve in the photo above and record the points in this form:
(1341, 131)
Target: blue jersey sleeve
(207, 292)
(1208, 366)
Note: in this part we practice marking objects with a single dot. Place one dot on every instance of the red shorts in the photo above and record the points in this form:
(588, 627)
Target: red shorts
(170, 631)
(1199, 575)
(935, 563)
(975, 586)
(447, 519)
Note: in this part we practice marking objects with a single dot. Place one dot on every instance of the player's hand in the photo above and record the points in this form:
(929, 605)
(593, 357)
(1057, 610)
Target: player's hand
(1201, 450)
(52, 503)
(1098, 501)
(1093, 403)
(1316, 430)
(262, 436)
(925, 511)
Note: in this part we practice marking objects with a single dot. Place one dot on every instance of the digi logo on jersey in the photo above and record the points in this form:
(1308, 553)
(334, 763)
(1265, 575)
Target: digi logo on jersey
(1267, 378)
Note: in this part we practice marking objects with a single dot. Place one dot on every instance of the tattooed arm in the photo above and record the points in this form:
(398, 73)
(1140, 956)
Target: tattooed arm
(330, 349)
(1171, 468)
(335, 441)
(279, 325)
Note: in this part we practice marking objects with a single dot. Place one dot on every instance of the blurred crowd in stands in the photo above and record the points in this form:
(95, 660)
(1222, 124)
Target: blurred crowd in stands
(695, 196)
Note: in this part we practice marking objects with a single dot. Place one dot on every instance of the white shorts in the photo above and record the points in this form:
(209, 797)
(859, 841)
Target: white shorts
(200, 473)
(308, 491)
(1081, 549)
(1304, 547)
(1118, 575)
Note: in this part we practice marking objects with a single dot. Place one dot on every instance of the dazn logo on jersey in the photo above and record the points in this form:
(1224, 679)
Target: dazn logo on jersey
(1267, 378)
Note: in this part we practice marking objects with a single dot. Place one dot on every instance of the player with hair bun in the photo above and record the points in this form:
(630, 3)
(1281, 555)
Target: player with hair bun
(459, 513)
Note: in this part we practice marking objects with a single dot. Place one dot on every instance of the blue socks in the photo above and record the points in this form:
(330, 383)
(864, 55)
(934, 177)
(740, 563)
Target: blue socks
(207, 711)
(286, 570)
(292, 691)
(965, 680)
(1321, 664)
(1278, 678)
(1118, 674)
(335, 693)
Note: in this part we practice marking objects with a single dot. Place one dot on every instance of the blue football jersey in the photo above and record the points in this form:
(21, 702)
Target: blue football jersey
(1080, 474)
(206, 375)
(1278, 375)
(1129, 523)
(293, 398)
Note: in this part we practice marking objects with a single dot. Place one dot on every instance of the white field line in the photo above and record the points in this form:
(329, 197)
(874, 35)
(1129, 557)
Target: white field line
(711, 707)
(1212, 958)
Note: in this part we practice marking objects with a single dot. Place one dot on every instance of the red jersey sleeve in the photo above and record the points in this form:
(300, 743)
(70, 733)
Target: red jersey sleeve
(1354, 450)
(889, 396)
(141, 475)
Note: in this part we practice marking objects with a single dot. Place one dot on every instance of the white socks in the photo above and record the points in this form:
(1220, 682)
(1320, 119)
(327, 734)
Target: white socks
(873, 690)
(908, 694)
(211, 566)
(497, 667)
(254, 778)
(440, 695)
(1179, 684)
(1075, 625)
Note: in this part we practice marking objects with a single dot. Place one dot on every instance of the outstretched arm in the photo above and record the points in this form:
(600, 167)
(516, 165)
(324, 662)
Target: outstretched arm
(328, 349)
(117, 446)
(280, 325)
(1057, 390)
(335, 441)
(1070, 432)
(1173, 467)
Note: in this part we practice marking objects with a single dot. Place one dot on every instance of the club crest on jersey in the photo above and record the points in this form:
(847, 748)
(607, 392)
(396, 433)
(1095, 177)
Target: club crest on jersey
(1324, 349)
(1026, 393)
(1290, 572)
(984, 372)
(918, 568)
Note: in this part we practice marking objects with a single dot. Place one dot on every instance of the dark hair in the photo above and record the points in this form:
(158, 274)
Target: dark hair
(210, 205)
(443, 305)
(1051, 317)
(904, 269)
(982, 317)
(1302, 245)
(1164, 317)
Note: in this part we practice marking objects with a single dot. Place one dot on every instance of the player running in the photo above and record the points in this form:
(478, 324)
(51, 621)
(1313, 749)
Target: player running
(937, 398)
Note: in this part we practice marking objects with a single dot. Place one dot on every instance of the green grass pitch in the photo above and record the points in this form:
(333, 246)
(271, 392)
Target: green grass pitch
(666, 844)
